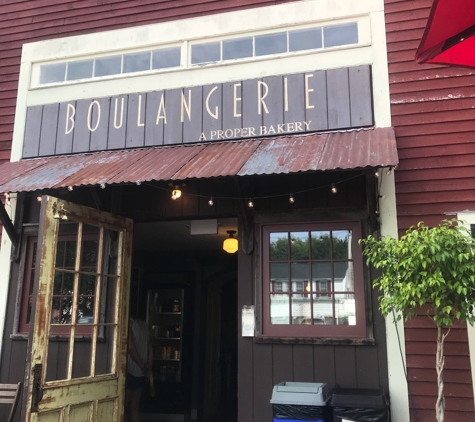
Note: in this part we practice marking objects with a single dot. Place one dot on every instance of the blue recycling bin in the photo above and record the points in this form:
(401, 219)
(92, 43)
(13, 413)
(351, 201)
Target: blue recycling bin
(301, 401)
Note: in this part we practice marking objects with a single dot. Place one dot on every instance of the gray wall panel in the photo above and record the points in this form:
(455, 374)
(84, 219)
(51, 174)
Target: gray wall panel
(49, 128)
(31, 143)
(360, 96)
(212, 110)
(295, 110)
(64, 140)
(135, 131)
(338, 99)
(117, 122)
(153, 121)
(316, 109)
(274, 101)
(173, 133)
(100, 135)
(193, 123)
(232, 105)
(82, 134)
(250, 115)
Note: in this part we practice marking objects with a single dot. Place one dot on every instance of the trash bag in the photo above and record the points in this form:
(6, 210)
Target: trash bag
(362, 414)
(300, 412)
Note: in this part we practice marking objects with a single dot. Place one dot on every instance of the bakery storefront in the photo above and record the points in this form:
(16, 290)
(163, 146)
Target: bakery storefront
(212, 175)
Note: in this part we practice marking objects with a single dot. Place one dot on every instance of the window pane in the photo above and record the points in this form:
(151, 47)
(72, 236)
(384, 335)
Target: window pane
(300, 273)
(342, 244)
(299, 245)
(340, 35)
(279, 309)
(279, 247)
(237, 49)
(321, 271)
(79, 70)
(305, 39)
(136, 62)
(205, 53)
(301, 311)
(345, 309)
(344, 276)
(323, 310)
(271, 44)
(169, 57)
(51, 73)
(108, 66)
(279, 273)
(321, 245)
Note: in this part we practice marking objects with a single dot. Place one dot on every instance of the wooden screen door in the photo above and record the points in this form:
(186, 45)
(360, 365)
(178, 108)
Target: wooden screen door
(79, 346)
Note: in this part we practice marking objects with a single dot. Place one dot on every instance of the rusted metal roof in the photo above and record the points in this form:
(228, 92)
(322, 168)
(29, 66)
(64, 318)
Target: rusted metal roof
(287, 154)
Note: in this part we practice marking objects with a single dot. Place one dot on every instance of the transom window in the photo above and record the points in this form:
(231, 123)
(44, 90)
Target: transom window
(172, 57)
(276, 43)
(313, 280)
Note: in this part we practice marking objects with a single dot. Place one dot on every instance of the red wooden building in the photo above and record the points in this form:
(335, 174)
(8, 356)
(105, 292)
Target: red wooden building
(433, 116)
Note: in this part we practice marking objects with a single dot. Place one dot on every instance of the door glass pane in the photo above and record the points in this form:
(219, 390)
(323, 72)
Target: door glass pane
(279, 246)
(237, 49)
(82, 357)
(301, 311)
(341, 244)
(345, 309)
(279, 309)
(58, 352)
(321, 245)
(299, 245)
(271, 44)
(105, 350)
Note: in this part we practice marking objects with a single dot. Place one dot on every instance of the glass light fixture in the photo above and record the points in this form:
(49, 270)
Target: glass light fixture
(230, 244)
(291, 199)
(334, 189)
(250, 204)
(176, 193)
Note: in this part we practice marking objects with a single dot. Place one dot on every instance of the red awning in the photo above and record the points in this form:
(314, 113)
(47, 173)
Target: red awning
(448, 37)
(289, 154)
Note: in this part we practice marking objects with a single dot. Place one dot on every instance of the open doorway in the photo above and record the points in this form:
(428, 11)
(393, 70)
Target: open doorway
(185, 286)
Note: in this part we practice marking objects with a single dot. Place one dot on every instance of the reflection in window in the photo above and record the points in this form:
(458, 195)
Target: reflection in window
(108, 66)
(319, 271)
(237, 49)
(136, 62)
(271, 44)
(52, 73)
(206, 53)
(337, 35)
(168, 57)
(79, 70)
(305, 39)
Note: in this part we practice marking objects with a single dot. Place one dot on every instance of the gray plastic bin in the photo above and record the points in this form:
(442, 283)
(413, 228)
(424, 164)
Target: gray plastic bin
(300, 401)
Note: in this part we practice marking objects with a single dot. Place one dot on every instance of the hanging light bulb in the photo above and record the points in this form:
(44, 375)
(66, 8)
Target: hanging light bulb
(211, 202)
(230, 244)
(7, 199)
(291, 199)
(176, 193)
(376, 173)
(103, 185)
(250, 204)
(38, 198)
(334, 189)
(388, 172)
(70, 188)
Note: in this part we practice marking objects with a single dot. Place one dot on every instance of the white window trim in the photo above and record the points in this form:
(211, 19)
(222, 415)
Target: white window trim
(468, 217)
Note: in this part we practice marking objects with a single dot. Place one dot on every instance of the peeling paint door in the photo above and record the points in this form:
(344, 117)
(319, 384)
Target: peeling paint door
(79, 346)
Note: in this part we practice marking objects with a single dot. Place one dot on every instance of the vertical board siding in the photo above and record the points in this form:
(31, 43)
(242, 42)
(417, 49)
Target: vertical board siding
(434, 119)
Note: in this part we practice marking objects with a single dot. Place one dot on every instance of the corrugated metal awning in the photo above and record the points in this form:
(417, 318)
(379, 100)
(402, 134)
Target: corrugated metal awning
(287, 154)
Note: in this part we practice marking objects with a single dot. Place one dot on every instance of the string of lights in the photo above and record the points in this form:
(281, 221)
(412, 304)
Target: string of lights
(176, 191)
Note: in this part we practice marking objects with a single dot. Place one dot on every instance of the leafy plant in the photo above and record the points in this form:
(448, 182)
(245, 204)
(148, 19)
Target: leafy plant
(434, 267)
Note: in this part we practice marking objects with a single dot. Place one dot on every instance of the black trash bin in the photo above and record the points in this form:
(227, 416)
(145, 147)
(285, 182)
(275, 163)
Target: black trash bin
(359, 405)
(301, 401)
